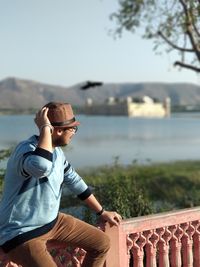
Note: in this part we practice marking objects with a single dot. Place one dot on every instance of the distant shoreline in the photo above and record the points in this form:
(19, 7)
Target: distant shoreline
(77, 111)
(17, 111)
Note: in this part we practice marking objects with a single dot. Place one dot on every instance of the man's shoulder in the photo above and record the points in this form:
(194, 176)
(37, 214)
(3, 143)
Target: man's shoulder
(27, 145)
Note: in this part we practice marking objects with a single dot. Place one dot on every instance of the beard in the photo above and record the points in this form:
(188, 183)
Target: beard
(59, 142)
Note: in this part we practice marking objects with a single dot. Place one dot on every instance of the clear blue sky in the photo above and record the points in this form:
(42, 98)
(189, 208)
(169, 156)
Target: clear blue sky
(65, 42)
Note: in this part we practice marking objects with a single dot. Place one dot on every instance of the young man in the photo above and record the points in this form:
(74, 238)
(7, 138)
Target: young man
(33, 183)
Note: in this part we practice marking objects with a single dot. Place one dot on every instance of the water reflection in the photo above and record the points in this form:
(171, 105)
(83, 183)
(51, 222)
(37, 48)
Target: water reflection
(100, 139)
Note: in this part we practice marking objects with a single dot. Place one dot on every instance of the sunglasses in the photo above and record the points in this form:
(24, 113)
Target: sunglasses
(71, 129)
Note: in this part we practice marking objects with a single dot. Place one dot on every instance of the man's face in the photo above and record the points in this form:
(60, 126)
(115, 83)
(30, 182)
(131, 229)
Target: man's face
(63, 136)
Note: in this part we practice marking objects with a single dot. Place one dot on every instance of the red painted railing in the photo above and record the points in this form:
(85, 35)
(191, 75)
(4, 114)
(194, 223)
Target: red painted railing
(164, 239)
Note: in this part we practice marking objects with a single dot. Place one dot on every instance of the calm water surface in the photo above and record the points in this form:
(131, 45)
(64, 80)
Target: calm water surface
(100, 139)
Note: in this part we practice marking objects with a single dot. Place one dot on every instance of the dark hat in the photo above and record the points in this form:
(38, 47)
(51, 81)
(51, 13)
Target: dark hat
(61, 114)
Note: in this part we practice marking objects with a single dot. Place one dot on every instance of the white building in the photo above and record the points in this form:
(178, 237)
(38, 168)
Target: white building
(145, 107)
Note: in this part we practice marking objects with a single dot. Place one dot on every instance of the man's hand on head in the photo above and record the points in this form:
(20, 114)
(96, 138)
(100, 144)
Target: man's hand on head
(41, 117)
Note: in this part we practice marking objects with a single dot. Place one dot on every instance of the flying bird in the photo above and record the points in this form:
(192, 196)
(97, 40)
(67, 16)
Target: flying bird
(90, 84)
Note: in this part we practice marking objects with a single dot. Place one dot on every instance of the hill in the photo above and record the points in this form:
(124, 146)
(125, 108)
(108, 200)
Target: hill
(25, 94)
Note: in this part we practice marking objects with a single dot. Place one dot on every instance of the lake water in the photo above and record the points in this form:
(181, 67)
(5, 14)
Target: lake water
(101, 139)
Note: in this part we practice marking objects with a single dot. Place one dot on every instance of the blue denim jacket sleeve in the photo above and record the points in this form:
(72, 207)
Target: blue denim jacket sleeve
(73, 180)
(37, 163)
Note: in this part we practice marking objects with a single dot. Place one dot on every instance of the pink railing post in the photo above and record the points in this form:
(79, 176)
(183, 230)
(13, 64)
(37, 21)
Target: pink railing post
(151, 247)
(118, 255)
(196, 241)
(138, 243)
(175, 243)
(187, 242)
(163, 247)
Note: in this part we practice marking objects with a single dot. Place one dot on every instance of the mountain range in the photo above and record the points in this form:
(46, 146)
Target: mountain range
(26, 94)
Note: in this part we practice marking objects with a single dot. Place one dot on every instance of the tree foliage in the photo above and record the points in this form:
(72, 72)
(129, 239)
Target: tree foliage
(172, 23)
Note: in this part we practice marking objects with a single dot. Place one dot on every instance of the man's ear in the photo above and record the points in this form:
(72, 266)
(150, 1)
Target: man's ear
(58, 131)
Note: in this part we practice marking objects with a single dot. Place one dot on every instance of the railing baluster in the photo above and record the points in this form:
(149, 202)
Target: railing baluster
(175, 244)
(138, 253)
(196, 241)
(163, 247)
(151, 247)
(187, 241)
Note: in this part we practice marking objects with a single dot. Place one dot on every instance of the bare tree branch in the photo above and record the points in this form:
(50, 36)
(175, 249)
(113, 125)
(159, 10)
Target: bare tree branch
(173, 45)
(176, 22)
(196, 30)
(189, 30)
(195, 26)
(187, 66)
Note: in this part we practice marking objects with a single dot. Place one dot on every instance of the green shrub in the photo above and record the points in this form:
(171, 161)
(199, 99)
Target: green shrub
(119, 192)
(125, 196)
(4, 154)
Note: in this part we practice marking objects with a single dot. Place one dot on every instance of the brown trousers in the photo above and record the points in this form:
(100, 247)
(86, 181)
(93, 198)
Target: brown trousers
(33, 253)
